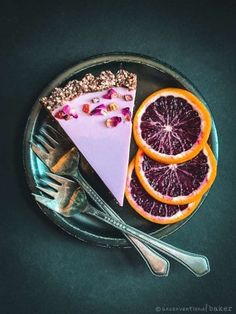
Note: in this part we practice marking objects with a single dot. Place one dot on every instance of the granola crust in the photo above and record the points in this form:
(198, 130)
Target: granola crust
(89, 83)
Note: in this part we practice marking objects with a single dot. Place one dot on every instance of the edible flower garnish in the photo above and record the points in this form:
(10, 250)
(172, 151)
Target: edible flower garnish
(66, 113)
(73, 113)
(128, 97)
(99, 110)
(66, 109)
(70, 111)
(112, 107)
(60, 115)
(126, 113)
(111, 93)
(95, 100)
(113, 122)
(86, 108)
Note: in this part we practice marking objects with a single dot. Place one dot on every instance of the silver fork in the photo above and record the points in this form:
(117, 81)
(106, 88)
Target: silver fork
(75, 202)
(61, 157)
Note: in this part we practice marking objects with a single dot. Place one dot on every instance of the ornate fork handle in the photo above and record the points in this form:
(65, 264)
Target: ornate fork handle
(197, 264)
(157, 264)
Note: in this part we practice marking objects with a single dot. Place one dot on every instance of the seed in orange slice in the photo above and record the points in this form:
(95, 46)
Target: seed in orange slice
(177, 183)
(171, 125)
(151, 209)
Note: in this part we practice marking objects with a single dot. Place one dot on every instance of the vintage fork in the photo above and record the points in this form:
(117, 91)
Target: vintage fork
(69, 204)
(61, 157)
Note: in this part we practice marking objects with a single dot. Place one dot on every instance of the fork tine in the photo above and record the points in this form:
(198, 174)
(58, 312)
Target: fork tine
(51, 184)
(48, 137)
(39, 152)
(59, 179)
(54, 131)
(59, 136)
(47, 191)
(45, 201)
(41, 140)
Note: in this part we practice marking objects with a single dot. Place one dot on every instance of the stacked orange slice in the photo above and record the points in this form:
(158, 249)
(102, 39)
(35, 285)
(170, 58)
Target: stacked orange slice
(174, 165)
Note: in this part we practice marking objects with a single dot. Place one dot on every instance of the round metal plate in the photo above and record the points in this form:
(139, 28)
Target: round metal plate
(152, 75)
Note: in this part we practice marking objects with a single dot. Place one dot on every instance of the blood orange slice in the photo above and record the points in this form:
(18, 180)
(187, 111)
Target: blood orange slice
(177, 183)
(151, 209)
(171, 125)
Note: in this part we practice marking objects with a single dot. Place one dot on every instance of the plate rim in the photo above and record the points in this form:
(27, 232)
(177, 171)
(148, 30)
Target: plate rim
(65, 75)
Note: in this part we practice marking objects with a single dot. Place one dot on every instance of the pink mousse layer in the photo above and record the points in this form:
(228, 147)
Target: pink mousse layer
(106, 149)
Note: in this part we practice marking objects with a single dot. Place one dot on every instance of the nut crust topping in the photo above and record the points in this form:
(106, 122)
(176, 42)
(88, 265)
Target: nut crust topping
(89, 83)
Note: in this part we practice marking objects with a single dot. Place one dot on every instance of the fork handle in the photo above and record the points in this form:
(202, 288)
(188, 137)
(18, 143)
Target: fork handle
(157, 264)
(197, 264)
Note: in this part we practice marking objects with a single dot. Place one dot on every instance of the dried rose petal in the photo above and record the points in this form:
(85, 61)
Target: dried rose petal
(69, 112)
(66, 109)
(126, 113)
(95, 100)
(99, 110)
(111, 93)
(59, 115)
(112, 107)
(103, 112)
(127, 117)
(102, 106)
(73, 113)
(86, 108)
(128, 97)
(113, 122)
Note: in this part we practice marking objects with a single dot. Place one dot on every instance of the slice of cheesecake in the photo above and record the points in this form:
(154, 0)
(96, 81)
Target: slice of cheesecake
(96, 113)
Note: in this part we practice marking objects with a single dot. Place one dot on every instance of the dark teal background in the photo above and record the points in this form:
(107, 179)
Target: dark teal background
(42, 269)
